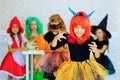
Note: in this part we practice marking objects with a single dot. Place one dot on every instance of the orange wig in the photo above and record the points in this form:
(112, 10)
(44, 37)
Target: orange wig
(79, 19)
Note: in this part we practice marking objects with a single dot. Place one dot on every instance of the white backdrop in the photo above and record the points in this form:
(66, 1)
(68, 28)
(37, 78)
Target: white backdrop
(43, 9)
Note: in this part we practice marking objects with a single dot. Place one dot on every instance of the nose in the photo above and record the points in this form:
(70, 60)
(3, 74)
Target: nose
(57, 30)
(79, 29)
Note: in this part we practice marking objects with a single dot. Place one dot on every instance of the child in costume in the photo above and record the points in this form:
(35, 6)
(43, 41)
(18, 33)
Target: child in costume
(81, 66)
(102, 40)
(13, 64)
(33, 28)
(52, 58)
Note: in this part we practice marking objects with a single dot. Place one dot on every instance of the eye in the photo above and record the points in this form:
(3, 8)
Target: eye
(59, 26)
(52, 20)
(76, 27)
(82, 28)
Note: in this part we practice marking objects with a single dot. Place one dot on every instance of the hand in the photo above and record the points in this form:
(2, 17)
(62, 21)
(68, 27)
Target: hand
(60, 36)
(95, 38)
(93, 47)
(24, 49)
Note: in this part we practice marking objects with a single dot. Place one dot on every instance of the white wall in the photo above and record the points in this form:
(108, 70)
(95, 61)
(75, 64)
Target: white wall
(43, 9)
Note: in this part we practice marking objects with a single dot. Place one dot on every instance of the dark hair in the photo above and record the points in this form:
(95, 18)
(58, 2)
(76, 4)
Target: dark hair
(105, 37)
(18, 34)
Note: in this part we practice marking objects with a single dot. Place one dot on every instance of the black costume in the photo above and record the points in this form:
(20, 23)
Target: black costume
(104, 60)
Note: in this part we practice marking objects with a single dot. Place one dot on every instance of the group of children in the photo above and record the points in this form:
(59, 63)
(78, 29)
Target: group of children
(67, 55)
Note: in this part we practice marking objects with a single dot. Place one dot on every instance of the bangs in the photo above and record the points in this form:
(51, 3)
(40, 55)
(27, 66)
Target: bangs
(82, 21)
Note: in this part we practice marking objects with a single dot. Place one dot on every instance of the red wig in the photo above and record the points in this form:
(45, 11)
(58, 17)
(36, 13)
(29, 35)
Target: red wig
(15, 20)
(79, 19)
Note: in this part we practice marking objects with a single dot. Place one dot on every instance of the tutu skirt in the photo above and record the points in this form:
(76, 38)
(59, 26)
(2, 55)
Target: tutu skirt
(86, 70)
(106, 62)
(51, 61)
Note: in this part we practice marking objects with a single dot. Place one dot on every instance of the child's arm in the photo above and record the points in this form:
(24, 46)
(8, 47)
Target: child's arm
(10, 49)
(54, 42)
(93, 48)
(58, 41)
(104, 48)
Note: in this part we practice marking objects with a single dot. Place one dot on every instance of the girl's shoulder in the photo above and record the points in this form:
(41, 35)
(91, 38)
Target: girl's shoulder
(105, 42)
(8, 36)
(49, 36)
(102, 42)
(8, 39)
(23, 35)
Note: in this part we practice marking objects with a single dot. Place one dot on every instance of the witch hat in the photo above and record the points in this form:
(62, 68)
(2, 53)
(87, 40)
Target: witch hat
(102, 25)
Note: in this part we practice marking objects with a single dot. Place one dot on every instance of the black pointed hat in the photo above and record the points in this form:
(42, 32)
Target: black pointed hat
(103, 26)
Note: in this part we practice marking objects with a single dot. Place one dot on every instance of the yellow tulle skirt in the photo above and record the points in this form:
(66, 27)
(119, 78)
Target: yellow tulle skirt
(86, 70)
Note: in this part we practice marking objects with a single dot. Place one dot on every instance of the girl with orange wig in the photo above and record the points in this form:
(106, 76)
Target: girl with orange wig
(82, 66)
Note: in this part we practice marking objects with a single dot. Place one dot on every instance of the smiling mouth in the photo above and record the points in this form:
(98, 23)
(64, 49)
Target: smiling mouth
(79, 33)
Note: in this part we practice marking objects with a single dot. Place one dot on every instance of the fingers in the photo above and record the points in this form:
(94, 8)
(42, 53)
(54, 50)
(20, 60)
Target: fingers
(92, 47)
(91, 50)
(60, 35)
(95, 38)
(62, 32)
(93, 44)
(63, 37)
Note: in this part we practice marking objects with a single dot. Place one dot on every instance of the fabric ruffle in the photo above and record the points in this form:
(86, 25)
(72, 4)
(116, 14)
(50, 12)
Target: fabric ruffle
(86, 70)
(51, 61)
(9, 66)
(106, 62)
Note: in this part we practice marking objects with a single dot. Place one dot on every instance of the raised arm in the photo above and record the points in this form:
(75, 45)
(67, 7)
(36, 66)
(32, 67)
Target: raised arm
(59, 40)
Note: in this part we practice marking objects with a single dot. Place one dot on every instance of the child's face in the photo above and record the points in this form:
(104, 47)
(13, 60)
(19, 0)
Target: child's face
(99, 33)
(33, 26)
(55, 27)
(15, 28)
(79, 31)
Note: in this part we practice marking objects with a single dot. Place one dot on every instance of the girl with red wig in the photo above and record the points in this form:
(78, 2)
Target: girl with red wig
(82, 66)
(13, 64)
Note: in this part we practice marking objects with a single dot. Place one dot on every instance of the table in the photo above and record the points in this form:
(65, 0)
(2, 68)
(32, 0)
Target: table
(27, 53)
